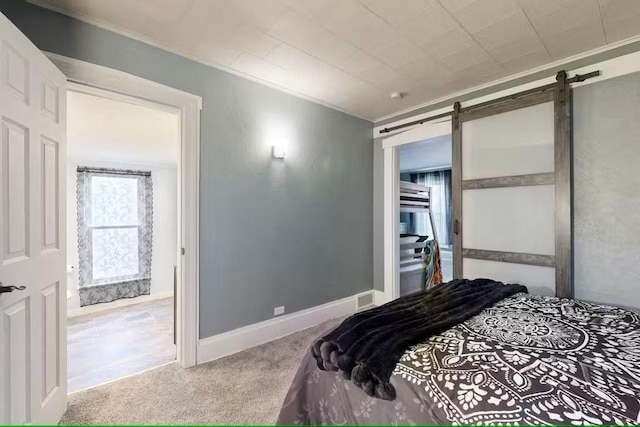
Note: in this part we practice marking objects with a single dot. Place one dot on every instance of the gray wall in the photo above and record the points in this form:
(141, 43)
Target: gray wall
(295, 233)
(607, 191)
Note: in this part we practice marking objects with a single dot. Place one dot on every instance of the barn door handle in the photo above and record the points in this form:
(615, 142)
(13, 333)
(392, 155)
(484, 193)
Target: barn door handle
(456, 227)
(5, 289)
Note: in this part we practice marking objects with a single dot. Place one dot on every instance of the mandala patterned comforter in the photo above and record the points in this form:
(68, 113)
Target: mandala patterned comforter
(526, 360)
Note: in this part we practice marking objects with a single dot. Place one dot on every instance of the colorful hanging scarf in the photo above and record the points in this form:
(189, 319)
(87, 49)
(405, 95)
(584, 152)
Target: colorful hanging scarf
(432, 267)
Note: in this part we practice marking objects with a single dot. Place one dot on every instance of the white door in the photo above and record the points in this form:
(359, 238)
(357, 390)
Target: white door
(33, 365)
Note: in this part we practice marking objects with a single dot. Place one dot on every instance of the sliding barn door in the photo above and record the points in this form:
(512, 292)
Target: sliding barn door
(510, 213)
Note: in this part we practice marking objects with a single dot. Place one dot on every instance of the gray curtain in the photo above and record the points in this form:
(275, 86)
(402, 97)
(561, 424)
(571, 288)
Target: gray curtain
(440, 183)
(115, 229)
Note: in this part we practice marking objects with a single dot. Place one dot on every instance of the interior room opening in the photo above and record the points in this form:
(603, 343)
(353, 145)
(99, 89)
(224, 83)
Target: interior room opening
(122, 226)
(425, 211)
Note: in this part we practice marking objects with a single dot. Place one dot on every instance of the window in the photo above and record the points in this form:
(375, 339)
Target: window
(115, 210)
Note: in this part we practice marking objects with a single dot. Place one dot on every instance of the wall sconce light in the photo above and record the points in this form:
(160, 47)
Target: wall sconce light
(278, 152)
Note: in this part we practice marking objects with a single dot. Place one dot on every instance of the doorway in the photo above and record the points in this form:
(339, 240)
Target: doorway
(122, 229)
(425, 213)
(34, 271)
(411, 142)
(83, 75)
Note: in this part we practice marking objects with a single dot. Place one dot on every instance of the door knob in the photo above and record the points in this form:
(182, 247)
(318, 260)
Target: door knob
(5, 289)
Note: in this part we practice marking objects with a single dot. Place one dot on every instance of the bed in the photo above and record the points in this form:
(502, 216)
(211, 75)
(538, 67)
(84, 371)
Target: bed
(527, 359)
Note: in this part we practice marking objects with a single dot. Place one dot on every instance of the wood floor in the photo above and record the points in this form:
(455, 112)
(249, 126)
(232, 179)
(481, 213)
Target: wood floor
(112, 344)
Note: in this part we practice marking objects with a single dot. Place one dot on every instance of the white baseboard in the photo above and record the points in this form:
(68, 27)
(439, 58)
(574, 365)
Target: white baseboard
(231, 342)
(379, 298)
(125, 302)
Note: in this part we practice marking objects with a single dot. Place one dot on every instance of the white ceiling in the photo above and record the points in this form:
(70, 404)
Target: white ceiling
(426, 154)
(351, 54)
(105, 130)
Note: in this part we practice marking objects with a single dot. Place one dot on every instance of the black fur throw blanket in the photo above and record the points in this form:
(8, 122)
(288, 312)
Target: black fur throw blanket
(366, 347)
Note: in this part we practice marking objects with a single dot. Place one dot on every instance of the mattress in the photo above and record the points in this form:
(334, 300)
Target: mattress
(527, 360)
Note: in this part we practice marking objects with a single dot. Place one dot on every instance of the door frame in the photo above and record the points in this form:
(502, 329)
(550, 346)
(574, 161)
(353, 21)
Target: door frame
(391, 199)
(107, 82)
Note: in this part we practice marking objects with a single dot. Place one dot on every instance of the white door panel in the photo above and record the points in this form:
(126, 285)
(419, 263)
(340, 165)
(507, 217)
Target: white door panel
(32, 233)
(510, 219)
(50, 172)
(518, 142)
(15, 192)
(15, 367)
(539, 280)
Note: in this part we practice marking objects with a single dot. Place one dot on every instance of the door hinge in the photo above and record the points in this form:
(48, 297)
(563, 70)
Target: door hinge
(182, 251)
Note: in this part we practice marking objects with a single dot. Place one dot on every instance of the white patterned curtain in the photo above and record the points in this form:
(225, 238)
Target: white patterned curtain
(440, 183)
(115, 226)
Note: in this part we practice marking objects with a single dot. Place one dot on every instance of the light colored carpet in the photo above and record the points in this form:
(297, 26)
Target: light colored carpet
(245, 388)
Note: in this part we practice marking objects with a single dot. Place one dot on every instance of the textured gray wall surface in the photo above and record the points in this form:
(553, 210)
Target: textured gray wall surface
(295, 233)
(607, 191)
